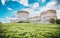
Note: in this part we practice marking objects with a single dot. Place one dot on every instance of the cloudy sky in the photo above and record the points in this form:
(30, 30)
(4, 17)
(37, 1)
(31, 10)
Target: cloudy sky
(8, 8)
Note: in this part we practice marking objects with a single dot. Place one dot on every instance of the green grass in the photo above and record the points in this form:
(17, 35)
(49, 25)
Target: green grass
(29, 30)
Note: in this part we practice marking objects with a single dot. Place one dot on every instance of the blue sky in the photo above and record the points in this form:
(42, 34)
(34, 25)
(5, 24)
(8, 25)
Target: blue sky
(33, 6)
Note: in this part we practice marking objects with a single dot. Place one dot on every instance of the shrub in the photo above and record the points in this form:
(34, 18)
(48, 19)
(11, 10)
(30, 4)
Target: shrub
(24, 22)
(20, 21)
(58, 21)
(0, 22)
(52, 20)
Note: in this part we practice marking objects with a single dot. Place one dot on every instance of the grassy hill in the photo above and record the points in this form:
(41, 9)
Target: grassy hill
(29, 30)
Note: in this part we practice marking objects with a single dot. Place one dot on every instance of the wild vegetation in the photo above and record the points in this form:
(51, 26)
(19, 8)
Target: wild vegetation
(29, 30)
(52, 20)
(58, 21)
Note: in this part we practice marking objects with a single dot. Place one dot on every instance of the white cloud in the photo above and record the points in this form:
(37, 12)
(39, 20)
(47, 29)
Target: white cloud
(43, 1)
(13, 0)
(7, 19)
(14, 13)
(57, 7)
(35, 5)
(32, 8)
(3, 2)
(58, 14)
(50, 5)
(9, 8)
(24, 2)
